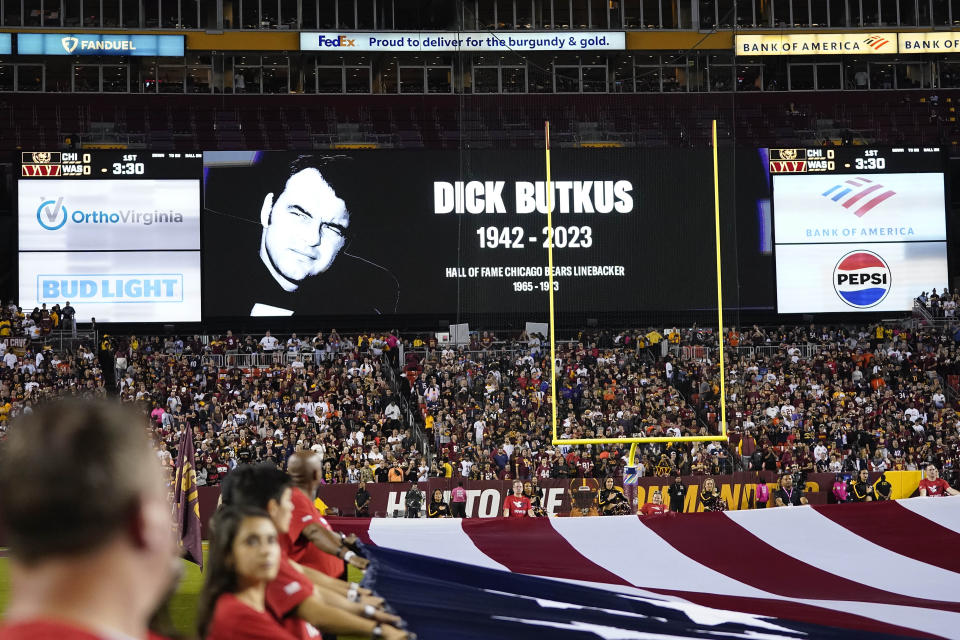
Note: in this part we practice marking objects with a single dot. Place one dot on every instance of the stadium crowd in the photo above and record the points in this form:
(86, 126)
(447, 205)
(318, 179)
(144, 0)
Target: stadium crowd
(799, 399)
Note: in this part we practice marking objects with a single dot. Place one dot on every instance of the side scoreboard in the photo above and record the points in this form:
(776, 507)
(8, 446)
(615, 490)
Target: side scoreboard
(855, 160)
(857, 228)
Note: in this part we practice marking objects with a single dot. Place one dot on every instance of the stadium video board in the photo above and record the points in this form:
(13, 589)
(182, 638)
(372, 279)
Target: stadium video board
(389, 232)
(428, 232)
(116, 233)
(857, 229)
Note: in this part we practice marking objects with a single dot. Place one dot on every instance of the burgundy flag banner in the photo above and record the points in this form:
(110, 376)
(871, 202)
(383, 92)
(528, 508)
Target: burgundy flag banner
(186, 502)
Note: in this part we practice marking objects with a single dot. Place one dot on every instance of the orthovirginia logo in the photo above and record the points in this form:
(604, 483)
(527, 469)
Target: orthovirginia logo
(53, 215)
(69, 43)
(862, 279)
(856, 190)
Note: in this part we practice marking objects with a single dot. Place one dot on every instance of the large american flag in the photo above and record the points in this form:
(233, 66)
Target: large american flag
(857, 570)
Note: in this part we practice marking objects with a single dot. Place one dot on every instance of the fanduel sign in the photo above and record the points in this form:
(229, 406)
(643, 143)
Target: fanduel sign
(507, 41)
(97, 44)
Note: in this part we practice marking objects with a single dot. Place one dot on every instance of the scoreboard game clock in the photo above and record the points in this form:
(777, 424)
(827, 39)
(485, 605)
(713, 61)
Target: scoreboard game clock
(109, 164)
(840, 160)
(857, 228)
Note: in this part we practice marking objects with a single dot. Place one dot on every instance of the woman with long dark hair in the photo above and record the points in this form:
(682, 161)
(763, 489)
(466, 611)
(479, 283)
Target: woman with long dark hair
(437, 507)
(710, 496)
(536, 501)
(244, 558)
(611, 501)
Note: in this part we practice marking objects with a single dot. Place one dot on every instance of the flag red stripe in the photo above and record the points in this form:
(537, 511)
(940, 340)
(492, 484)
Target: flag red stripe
(534, 547)
(884, 524)
(358, 526)
(766, 567)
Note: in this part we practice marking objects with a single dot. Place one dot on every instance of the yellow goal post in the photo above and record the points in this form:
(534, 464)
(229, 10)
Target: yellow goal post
(553, 344)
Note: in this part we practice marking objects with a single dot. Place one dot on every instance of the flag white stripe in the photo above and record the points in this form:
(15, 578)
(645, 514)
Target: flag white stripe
(934, 621)
(847, 555)
(442, 538)
(945, 511)
(630, 550)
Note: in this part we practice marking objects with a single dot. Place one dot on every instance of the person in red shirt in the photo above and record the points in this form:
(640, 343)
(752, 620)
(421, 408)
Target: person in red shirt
(517, 505)
(934, 485)
(291, 597)
(313, 543)
(655, 506)
(244, 559)
(88, 523)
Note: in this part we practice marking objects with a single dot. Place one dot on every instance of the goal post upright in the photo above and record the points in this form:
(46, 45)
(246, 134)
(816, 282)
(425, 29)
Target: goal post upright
(633, 442)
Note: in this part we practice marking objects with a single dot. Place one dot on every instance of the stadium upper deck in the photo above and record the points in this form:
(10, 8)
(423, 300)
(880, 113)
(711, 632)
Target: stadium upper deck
(621, 46)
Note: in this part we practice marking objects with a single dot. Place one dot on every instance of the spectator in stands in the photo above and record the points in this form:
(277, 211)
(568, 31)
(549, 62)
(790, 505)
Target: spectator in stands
(268, 343)
(535, 493)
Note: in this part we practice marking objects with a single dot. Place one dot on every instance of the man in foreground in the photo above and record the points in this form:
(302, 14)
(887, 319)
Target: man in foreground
(91, 543)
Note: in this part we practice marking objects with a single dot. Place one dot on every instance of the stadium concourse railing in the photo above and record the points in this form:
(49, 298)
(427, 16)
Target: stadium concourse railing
(60, 341)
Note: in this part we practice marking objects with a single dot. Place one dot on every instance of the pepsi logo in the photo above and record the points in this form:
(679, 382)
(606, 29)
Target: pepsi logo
(862, 279)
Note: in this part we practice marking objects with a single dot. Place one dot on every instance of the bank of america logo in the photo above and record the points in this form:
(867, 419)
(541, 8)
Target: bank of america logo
(69, 43)
(876, 42)
(862, 191)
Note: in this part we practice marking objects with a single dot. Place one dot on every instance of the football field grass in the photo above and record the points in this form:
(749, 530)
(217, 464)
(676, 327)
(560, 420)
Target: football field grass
(183, 605)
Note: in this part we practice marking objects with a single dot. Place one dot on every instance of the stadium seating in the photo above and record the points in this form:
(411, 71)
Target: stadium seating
(243, 122)
(803, 398)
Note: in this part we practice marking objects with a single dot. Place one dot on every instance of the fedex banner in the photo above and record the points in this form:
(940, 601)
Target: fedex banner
(507, 41)
(892, 207)
(98, 44)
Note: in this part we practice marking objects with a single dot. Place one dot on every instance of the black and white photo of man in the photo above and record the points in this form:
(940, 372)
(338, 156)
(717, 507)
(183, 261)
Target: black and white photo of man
(303, 264)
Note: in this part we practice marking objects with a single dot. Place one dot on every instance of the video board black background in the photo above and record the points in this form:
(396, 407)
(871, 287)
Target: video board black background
(665, 244)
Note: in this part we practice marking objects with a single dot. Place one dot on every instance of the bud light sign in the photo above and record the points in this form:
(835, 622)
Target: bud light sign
(862, 279)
